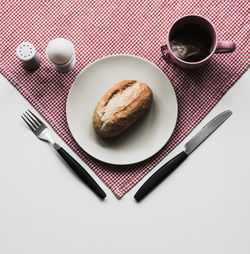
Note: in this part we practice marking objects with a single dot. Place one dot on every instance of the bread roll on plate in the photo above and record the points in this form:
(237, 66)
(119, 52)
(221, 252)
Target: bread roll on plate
(120, 107)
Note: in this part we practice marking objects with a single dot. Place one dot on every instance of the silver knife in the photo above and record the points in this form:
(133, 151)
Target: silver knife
(190, 146)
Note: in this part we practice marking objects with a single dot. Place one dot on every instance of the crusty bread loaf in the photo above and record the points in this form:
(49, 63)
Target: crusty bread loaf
(120, 107)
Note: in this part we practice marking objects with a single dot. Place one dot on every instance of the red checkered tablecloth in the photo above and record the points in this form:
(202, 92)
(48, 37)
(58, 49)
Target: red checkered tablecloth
(101, 28)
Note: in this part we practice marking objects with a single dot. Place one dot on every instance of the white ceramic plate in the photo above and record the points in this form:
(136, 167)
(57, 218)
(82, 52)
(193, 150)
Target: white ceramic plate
(143, 139)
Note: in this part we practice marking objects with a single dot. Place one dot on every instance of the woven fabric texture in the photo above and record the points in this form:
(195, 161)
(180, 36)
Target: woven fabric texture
(101, 28)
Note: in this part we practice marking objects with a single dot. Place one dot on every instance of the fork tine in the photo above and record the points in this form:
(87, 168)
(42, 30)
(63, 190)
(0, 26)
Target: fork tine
(31, 127)
(33, 119)
(30, 120)
(39, 121)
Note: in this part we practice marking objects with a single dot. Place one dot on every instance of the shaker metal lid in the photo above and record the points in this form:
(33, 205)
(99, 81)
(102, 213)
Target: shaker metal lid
(60, 51)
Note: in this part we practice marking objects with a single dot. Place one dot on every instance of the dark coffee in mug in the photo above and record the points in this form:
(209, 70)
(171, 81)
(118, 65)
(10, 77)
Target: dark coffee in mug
(191, 42)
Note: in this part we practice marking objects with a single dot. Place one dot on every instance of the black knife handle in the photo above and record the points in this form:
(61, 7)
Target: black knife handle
(80, 172)
(160, 175)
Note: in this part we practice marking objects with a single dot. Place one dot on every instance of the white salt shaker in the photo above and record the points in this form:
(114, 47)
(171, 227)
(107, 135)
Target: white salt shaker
(61, 54)
(26, 52)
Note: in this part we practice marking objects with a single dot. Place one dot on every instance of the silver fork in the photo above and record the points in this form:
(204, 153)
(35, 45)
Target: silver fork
(42, 132)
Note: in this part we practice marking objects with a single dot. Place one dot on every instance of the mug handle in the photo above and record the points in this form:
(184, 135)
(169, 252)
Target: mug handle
(225, 47)
(164, 51)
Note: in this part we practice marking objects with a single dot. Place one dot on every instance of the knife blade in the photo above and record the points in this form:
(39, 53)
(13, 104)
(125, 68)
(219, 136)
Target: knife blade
(189, 147)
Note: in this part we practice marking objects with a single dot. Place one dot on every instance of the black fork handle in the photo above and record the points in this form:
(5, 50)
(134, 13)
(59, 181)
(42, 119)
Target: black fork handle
(80, 172)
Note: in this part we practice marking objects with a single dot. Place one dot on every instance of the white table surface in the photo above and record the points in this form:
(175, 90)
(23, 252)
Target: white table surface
(202, 208)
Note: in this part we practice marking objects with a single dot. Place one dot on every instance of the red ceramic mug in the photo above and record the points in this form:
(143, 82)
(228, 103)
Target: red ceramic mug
(215, 47)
